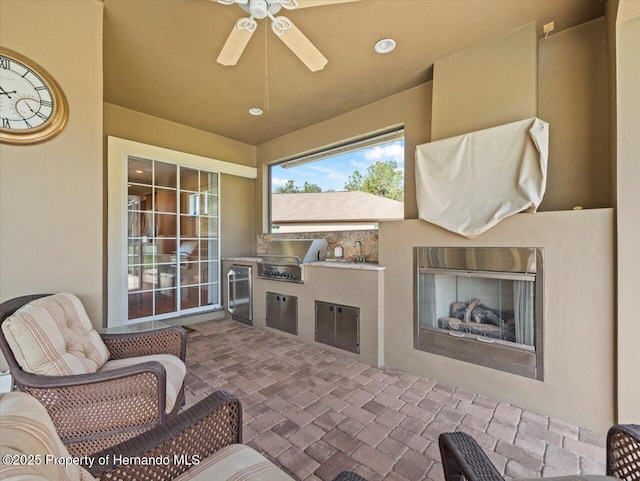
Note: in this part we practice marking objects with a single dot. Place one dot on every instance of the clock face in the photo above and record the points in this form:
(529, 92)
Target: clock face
(32, 106)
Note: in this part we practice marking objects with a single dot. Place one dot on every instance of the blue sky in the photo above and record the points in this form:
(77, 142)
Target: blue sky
(332, 173)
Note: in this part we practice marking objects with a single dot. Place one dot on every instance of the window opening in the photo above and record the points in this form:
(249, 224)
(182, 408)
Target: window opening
(350, 186)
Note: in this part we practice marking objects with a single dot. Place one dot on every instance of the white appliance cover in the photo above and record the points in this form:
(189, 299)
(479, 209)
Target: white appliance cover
(469, 183)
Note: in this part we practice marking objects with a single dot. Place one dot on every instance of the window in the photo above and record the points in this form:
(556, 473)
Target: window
(172, 239)
(348, 187)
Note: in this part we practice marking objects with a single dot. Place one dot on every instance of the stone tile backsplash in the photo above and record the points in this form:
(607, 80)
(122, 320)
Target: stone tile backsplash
(346, 239)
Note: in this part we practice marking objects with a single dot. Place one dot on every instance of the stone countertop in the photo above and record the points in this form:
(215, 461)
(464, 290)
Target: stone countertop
(365, 266)
(331, 264)
(242, 259)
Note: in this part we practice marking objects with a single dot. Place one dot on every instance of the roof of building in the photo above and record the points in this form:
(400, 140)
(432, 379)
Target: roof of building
(333, 206)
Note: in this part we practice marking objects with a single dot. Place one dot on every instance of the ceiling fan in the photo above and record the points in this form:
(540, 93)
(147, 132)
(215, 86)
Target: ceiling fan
(284, 28)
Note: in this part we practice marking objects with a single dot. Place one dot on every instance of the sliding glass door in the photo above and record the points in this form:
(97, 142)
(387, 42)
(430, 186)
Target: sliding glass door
(173, 260)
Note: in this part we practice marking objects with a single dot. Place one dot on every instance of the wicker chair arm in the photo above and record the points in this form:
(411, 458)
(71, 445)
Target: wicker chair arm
(623, 452)
(28, 380)
(348, 476)
(170, 340)
(191, 436)
(463, 457)
(94, 411)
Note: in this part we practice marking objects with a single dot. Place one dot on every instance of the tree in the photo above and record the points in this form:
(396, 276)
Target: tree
(311, 188)
(354, 182)
(383, 179)
(288, 188)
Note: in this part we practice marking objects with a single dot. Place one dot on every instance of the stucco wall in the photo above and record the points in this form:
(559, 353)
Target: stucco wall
(51, 193)
(628, 125)
(489, 84)
(579, 315)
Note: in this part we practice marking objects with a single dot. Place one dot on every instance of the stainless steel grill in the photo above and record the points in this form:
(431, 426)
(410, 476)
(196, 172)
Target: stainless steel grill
(285, 258)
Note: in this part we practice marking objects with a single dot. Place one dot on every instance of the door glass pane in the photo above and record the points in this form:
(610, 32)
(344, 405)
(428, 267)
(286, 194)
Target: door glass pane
(189, 226)
(190, 203)
(208, 227)
(189, 179)
(190, 274)
(166, 200)
(134, 279)
(140, 171)
(165, 301)
(208, 205)
(140, 305)
(166, 225)
(209, 182)
(189, 297)
(209, 295)
(165, 175)
(139, 197)
(208, 272)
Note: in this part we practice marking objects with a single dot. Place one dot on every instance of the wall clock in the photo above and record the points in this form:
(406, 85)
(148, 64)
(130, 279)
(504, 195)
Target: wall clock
(32, 106)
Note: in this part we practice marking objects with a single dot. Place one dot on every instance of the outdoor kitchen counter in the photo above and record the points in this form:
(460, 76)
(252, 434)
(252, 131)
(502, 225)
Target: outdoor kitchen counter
(242, 259)
(346, 265)
(367, 266)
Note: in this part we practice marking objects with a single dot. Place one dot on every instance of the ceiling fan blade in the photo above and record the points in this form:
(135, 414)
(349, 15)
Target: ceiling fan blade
(236, 42)
(320, 3)
(299, 44)
(231, 2)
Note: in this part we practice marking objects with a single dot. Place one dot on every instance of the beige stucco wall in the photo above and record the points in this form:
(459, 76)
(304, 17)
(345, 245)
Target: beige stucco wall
(236, 199)
(490, 84)
(628, 202)
(51, 193)
(574, 100)
(579, 325)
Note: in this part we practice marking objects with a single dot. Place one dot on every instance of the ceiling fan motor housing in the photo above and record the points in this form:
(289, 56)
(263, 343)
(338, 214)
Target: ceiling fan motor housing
(260, 8)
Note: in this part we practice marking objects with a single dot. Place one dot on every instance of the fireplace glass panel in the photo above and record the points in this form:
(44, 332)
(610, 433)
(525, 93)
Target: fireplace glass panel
(495, 308)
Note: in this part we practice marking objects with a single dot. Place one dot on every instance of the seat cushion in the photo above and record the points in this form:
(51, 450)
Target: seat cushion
(27, 430)
(175, 368)
(53, 336)
(232, 463)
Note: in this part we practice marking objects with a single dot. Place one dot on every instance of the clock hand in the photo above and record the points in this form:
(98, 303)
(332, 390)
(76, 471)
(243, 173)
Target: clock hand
(4, 92)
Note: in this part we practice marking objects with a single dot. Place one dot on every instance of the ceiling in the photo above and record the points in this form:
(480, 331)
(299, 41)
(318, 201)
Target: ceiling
(160, 56)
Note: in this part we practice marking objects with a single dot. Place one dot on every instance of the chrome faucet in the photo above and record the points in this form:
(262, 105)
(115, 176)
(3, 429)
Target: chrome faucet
(359, 244)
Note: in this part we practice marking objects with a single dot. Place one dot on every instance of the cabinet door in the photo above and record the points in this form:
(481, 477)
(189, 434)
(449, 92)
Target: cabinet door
(274, 315)
(325, 323)
(347, 328)
(289, 319)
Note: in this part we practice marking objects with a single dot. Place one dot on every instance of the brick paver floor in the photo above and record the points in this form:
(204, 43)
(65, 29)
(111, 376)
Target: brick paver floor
(316, 413)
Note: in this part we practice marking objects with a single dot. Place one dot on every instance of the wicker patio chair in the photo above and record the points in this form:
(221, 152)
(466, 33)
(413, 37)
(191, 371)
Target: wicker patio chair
(96, 410)
(463, 458)
(201, 443)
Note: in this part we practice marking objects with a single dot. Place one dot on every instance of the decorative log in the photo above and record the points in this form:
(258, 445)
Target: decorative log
(458, 306)
(472, 305)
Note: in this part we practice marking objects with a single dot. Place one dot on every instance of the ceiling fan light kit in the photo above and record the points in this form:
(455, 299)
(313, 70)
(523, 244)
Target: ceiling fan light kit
(255, 111)
(284, 28)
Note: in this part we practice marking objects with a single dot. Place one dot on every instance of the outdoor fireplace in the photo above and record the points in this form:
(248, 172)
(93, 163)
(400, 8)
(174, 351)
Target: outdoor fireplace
(481, 305)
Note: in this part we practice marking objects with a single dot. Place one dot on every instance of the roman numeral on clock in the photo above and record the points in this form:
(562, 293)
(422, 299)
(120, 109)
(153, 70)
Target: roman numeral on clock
(5, 62)
(46, 103)
(5, 124)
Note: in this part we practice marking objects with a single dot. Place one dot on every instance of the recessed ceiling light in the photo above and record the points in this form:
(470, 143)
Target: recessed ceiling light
(138, 172)
(255, 111)
(385, 45)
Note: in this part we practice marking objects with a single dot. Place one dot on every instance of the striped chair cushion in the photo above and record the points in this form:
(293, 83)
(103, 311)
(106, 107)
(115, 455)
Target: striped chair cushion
(235, 463)
(53, 336)
(27, 429)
